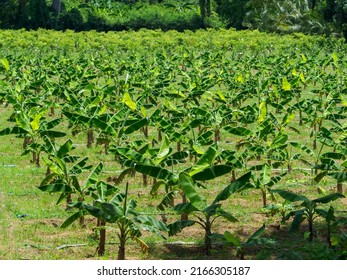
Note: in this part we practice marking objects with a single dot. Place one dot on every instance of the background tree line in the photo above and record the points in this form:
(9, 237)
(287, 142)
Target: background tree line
(283, 16)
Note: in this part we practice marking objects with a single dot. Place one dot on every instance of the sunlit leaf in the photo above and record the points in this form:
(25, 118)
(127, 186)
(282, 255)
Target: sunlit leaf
(204, 161)
(188, 186)
(128, 101)
(5, 63)
(285, 84)
(177, 226)
(262, 112)
(239, 184)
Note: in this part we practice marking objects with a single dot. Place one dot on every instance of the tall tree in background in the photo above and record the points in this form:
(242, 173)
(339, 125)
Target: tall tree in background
(329, 10)
(205, 8)
(284, 16)
(35, 15)
(233, 12)
(208, 8)
(313, 4)
(56, 4)
(202, 4)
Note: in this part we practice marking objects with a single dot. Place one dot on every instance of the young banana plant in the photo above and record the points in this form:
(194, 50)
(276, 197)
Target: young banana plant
(307, 210)
(331, 167)
(34, 128)
(265, 181)
(64, 171)
(255, 239)
(120, 211)
(101, 193)
(204, 213)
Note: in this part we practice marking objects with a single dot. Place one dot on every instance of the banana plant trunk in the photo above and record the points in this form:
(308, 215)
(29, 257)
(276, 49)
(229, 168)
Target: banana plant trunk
(217, 135)
(26, 142)
(145, 131)
(121, 247)
(208, 243)
(68, 201)
(36, 159)
(263, 194)
(81, 219)
(90, 138)
(48, 171)
(123, 228)
(289, 167)
(339, 187)
(52, 111)
(145, 180)
(102, 238)
(184, 216)
(121, 252)
(314, 145)
(310, 228)
(106, 146)
(233, 175)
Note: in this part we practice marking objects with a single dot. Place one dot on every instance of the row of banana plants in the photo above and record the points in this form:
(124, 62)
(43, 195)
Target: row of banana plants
(239, 98)
(183, 117)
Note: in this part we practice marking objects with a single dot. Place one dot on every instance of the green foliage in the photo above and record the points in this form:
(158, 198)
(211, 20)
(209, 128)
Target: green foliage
(72, 19)
(8, 16)
(323, 17)
(308, 209)
(233, 240)
(185, 114)
(233, 11)
(340, 15)
(121, 212)
(282, 16)
(205, 214)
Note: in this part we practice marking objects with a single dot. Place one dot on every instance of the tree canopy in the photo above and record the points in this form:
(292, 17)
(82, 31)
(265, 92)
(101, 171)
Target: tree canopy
(283, 16)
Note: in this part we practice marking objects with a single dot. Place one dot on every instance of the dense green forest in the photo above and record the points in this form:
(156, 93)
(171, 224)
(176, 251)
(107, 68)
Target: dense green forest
(328, 17)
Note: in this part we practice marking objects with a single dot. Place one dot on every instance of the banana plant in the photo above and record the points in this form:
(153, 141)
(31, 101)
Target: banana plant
(331, 167)
(214, 119)
(64, 178)
(234, 159)
(204, 213)
(91, 187)
(291, 154)
(82, 112)
(264, 140)
(318, 112)
(101, 193)
(331, 224)
(325, 137)
(255, 239)
(269, 139)
(176, 124)
(265, 181)
(34, 128)
(308, 209)
(121, 212)
(283, 208)
(64, 171)
(158, 163)
(116, 128)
